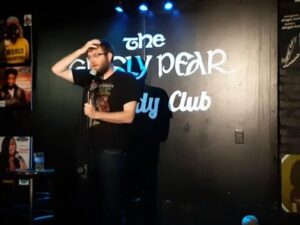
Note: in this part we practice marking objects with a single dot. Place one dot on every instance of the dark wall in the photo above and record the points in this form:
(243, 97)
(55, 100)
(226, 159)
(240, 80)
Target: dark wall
(200, 160)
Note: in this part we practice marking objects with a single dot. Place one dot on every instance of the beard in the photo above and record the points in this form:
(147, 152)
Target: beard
(102, 70)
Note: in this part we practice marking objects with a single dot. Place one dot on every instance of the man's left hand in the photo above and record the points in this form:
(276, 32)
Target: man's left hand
(89, 110)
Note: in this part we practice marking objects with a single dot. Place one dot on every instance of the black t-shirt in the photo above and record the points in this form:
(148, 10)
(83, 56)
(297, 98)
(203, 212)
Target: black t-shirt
(107, 95)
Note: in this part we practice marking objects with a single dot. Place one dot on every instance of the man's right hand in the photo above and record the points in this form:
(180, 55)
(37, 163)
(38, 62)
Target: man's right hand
(90, 44)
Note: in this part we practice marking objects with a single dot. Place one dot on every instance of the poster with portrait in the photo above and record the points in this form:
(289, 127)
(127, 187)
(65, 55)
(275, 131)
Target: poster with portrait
(15, 61)
(15, 152)
(15, 87)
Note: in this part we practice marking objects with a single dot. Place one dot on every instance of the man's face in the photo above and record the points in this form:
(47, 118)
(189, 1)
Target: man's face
(99, 60)
(13, 32)
(11, 80)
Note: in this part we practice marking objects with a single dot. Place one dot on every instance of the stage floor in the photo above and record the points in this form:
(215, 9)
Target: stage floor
(191, 213)
(170, 213)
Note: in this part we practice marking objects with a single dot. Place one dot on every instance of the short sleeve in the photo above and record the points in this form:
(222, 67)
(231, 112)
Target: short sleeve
(131, 91)
(81, 77)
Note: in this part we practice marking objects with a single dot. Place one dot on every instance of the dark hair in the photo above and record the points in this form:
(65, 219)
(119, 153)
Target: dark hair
(10, 71)
(4, 154)
(107, 47)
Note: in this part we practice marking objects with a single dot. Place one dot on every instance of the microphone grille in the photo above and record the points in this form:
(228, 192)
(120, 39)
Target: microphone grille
(93, 72)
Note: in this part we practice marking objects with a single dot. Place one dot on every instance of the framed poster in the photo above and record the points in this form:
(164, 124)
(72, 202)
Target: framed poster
(16, 88)
(15, 153)
(16, 61)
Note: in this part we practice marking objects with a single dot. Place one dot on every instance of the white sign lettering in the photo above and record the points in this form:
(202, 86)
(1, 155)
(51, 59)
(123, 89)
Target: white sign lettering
(133, 43)
(186, 64)
(183, 64)
(188, 103)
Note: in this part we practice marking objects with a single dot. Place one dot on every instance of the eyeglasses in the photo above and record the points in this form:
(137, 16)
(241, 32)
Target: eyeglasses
(96, 55)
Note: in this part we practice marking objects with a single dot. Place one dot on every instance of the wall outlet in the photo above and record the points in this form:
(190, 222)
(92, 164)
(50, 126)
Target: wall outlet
(239, 136)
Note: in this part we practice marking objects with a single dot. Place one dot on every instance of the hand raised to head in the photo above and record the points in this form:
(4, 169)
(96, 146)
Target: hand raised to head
(90, 44)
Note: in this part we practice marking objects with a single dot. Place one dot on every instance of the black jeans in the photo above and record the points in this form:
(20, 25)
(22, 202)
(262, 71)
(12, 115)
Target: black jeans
(106, 175)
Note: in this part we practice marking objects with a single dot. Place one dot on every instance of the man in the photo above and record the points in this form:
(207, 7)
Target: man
(111, 101)
(16, 46)
(12, 95)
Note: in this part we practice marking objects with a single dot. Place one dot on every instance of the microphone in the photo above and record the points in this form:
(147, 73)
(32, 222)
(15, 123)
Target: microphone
(93, 72)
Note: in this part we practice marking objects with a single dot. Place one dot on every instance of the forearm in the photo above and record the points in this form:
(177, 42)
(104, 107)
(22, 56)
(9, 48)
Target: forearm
(61, 68)
(114, 117)
(63, 65)
(124, 116)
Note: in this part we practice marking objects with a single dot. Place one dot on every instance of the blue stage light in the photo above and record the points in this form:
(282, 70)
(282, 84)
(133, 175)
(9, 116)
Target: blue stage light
(119, 9)
(168, 6)
(143, 7)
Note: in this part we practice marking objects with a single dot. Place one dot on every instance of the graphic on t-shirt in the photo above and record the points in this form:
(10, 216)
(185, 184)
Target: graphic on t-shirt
(100, 93)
